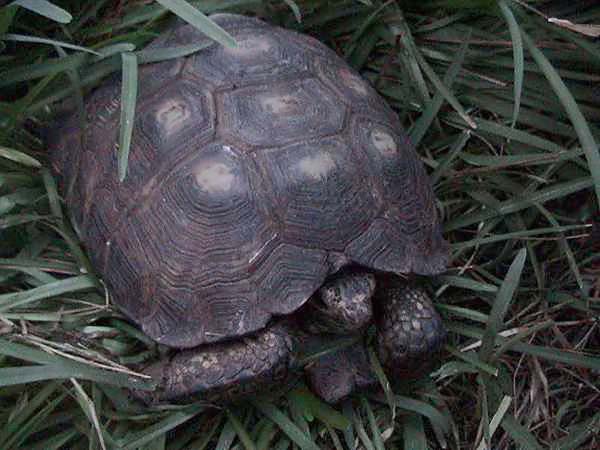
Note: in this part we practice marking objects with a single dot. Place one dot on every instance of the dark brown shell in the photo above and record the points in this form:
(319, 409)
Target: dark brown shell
(254, 173)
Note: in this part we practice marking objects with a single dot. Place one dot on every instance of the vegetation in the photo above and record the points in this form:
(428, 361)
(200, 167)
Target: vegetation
(502, 103)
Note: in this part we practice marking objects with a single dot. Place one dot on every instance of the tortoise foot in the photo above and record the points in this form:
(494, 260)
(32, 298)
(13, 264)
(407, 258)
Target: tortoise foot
(336, 375)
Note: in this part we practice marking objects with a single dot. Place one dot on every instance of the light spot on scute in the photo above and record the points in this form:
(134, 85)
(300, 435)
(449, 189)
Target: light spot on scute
(384, 142)
(353, 82)
(250, 47)
(214, 176)
(317, 166)
(172, 115)
(279, 104)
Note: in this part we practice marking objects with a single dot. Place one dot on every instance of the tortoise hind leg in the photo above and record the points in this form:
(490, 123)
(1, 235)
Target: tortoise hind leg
(221, 372)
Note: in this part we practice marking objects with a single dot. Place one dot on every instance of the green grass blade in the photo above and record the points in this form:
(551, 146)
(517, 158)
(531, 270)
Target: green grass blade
(384, 382)
(414, 432)
(115, 49)
(312, 405)
(473, 359)
(467, 283)
(39, 70)
(578, 434)
(162, 54)
(196, 18)
(73, 284)
(361, 431)
(287, 426)
(433, 77)
(519, 433)
(552, 354)
(454, 151)
(89, 409)
(46, 9)
(11, 376)
(563, 242)
(497, 418)
(500, 307)
(420, 128)
(19, 157)
(527, 159)
(519, 59)
(360, 31)
(557, 190)
(29, 427)
(129, 89)
(226, 437)
(240, 430)
(579, 122)
(497, 129)
(146, 436)
(38, 40)
(375, 431)
(26, 412)
(295, 9)
(56, 442)
(64, 368)
(7, 15)
(424, 409)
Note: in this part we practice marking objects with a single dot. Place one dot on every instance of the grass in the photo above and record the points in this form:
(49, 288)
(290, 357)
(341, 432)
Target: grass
(505, 109)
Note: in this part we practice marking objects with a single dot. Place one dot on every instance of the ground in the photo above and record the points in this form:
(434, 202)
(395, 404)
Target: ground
(503, 106)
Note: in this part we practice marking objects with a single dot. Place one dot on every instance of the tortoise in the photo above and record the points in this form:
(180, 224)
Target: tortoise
(272, 199)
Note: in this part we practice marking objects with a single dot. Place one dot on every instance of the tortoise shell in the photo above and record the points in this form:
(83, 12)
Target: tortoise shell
(254, 173)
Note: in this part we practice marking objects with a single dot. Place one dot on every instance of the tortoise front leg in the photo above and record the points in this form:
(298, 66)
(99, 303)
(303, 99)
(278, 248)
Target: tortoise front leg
(222, 372)
(410, 333)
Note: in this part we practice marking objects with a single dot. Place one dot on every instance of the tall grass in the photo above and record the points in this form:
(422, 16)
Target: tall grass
(504, 107)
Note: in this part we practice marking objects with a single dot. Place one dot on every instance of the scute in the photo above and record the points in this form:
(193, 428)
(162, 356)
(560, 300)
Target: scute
(182, 115)
(390, 156)
(274, 115)
(316, 181)
(258, 57)
(352, 89)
